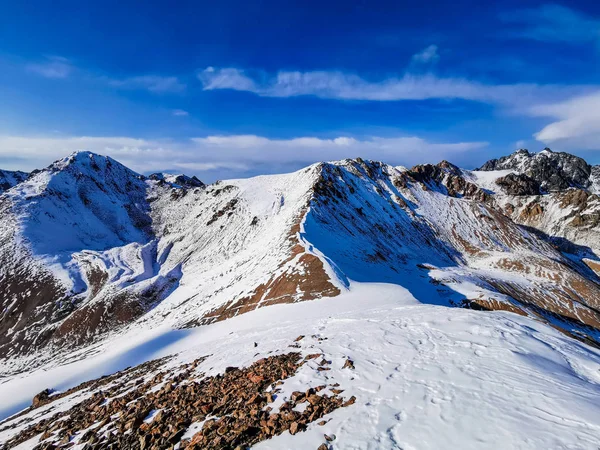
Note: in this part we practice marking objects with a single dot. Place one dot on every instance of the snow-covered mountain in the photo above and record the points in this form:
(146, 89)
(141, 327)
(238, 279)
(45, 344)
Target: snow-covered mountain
(552, 171)
(554, 193)
(93, 254)
(9, 179)
(89, 247)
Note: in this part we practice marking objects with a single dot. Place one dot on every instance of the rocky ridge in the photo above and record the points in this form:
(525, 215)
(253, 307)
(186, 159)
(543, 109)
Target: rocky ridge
(554, 193)
(151, 250)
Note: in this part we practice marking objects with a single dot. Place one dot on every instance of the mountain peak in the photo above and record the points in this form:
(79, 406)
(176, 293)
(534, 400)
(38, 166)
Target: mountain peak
(177, 180)
(554, 171)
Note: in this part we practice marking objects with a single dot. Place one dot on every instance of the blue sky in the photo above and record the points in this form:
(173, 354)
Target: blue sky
(231, 88)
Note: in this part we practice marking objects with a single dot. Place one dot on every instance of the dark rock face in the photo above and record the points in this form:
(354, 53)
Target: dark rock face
(505, 162)
(595, 178)
(179, 180)
(518, 184)
(9, 179)
(553, 171)
(449, 176)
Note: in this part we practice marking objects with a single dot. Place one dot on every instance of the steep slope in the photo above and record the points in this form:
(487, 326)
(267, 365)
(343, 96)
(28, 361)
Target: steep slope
(393, 226)
(51, 228)
(238, 246)
(9, 179)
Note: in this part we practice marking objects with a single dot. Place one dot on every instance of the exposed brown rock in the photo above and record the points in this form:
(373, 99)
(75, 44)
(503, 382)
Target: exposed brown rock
(235, 401)
(41, 398)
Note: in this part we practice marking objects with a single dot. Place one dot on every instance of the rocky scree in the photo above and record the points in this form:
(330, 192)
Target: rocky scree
(133, 411)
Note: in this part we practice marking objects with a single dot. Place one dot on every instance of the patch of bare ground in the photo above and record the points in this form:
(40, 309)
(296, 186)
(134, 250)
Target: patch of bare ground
(232, 410)
(531, 212)
(483, 304)
(29, 299)
(97, 318)
(560, 301)
(594, 265)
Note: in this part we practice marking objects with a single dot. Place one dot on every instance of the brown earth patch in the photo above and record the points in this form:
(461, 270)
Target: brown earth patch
(578, 198)
(467, 247)
(234, 408)
(97, 318)
(559, 300)
(594, 265)
(481, 304)
(531, 212)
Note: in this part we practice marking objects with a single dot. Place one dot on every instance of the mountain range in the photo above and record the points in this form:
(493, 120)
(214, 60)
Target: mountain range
(91, 251)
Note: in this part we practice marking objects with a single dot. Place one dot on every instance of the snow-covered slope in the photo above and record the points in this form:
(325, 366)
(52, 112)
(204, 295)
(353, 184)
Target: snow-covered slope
(9, 179)
(67, 231)
(422, 376)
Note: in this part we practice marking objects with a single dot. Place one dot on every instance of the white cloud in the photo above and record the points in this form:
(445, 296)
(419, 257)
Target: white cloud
(233, 155)
(53, 67)
(343, 86)
(256, 150)
(153, 83)
(428, 55)
(180, 113)
(227, 78)
(576, 108)
(577, 122)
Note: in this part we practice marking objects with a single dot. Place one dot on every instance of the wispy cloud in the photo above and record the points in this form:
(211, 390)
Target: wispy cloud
(576, 125)
(344, 86)
(229, 155)
(307, 149)
(58, 67)
(153, 83)
(180, 113)
(52, 67)
(553, 23)
(428, 55)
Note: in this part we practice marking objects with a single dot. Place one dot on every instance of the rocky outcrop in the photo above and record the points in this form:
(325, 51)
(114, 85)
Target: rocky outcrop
(553, 171)
(180, 180)
(518, 184)
(449, 176)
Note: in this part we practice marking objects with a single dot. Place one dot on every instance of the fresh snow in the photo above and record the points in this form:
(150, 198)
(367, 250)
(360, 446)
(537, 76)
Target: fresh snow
(426, 377)
(486, 179)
